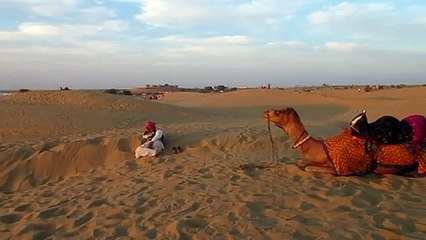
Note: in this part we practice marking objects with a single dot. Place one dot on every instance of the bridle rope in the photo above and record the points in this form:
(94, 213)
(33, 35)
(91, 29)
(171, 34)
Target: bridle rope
(274, 152)
(274, 155)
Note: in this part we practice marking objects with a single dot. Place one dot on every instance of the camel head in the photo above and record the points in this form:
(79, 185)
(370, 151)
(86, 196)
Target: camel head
(284, 118)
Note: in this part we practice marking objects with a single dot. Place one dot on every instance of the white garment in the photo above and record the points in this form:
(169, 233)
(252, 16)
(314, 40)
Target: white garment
(151, 147)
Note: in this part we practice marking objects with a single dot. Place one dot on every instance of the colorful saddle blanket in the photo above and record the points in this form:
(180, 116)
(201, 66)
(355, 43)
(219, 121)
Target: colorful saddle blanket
(349, 156)
(400, 156)
(346, 154)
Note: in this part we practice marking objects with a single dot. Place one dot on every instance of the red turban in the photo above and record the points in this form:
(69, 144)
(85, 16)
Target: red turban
(150, 126)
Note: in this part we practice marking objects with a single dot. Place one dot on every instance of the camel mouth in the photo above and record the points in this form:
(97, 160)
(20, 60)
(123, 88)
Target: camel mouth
(271, 113)
(267, 114)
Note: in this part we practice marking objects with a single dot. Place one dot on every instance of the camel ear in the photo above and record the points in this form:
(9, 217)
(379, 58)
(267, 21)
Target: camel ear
(288, 110)
(284, 111)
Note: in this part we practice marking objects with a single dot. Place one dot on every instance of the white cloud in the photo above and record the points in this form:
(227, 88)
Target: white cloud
(49, 8)
(128, 1)
(98, 12)
(161, 13)
(210, 13)
(346, 10)
(234, 39)
(69, 10)
(319, 17)
(100, 47)
(29, 30)
(291, 44)
(187, 48)
(376, 23)
(10, 36)
(341, 46)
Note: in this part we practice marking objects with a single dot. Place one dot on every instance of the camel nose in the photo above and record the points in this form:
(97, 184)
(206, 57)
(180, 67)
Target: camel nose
(266, 114)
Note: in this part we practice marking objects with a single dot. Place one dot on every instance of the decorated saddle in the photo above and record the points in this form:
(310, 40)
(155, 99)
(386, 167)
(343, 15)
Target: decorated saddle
(387, 143)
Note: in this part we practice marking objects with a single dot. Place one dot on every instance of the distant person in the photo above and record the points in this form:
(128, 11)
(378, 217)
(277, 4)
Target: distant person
(153, 141)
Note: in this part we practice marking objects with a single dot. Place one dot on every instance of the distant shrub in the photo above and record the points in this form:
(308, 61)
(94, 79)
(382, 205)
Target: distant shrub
(111, 91)
(127, 92)
(24, 90)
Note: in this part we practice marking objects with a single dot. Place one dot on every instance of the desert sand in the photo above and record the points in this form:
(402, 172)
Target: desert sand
(67, 169)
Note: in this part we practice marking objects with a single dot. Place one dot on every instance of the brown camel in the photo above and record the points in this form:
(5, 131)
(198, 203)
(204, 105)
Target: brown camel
(321, 155)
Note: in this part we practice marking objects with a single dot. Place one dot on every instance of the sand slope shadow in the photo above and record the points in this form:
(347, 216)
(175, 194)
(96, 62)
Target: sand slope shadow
(26, 167)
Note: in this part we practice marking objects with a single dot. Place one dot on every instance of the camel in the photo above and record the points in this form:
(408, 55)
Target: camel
(331, 157)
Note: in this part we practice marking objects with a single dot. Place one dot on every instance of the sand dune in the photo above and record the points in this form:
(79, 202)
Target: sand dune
(67, 169)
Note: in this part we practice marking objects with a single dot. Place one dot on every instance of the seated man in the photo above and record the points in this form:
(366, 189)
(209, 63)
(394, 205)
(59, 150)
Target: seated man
(153, 144)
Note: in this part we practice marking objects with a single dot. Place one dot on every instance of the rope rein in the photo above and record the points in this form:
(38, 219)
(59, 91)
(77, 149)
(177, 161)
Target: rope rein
(274, 155)
(274, 152)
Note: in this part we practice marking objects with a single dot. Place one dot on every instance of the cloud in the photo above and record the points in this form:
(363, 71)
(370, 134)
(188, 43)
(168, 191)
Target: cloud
(178, 14)
(219, 40)
(185, 47)
(128, 1)
(48, 8)
(346, 10)
(161, 13)
(341, 46)
(291, 44)
(376, 23)
(99, 12)
(34, 30)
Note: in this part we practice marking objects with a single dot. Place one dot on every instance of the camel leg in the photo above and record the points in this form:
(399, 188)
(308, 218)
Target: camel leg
(383, 170)
(321, 169)
(321, 163)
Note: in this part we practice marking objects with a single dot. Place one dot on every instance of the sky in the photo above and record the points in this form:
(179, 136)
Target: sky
(87, 44)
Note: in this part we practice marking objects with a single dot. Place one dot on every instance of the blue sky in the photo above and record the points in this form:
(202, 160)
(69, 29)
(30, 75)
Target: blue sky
(46, 44)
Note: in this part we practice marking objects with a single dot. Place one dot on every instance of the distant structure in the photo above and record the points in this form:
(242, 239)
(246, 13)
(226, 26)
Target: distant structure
(153, 89)
(371, 88)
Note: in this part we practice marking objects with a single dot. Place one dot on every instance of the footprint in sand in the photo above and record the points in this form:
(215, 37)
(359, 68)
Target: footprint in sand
(138, 180)
(132, 166)
(194, 207)
(151, 234)
(83, 220)
(368, 198)
(97, 203)
(394, 223)
(205, 173)
(43, 235)
(53, 212)
(234, 178)
(43, 231)
(257, 212)
(10, 218)
(188, 227)
(23, 208)
(168, 174)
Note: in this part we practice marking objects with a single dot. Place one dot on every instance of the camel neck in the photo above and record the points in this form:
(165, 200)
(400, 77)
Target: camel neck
(303, 137)
(310, 147)
(296, 135)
